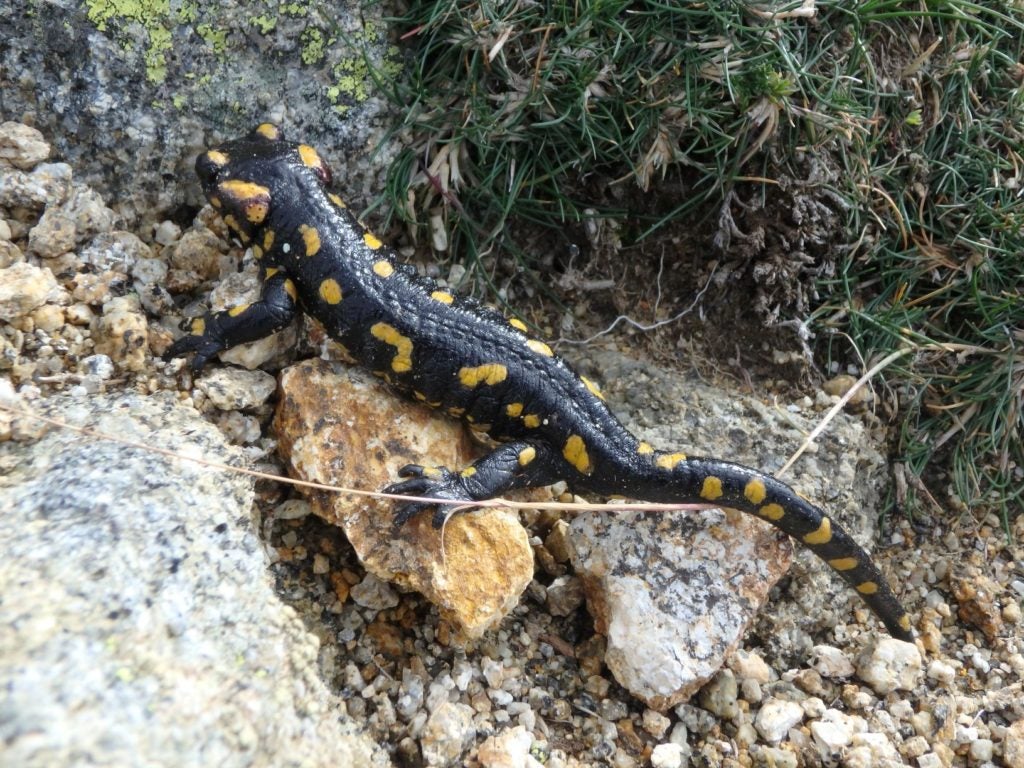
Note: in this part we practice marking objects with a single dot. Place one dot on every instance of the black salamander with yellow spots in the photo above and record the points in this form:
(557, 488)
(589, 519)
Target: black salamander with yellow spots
(465, 360)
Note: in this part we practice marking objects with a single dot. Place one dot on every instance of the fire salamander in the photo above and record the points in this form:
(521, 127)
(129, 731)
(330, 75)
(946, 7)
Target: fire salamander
(466, 360)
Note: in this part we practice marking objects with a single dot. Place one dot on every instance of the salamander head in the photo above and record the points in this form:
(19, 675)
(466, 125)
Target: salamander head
(242, 178)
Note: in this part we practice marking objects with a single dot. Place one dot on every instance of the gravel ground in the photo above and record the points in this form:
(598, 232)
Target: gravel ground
(84, 309)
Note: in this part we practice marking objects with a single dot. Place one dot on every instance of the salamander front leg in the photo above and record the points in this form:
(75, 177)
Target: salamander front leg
(509, 466)
(217, 331)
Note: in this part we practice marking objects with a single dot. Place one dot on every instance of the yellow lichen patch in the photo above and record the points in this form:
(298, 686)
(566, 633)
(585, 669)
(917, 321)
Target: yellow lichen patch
(383, 268)
(198, 326)
(268, 131)
(337, 200)
(271, 271)
(291, 290)
(330, 291)
(514, 410)
(372, 241)
(575, 452)
(402, 360)
(711, 489)
(217, 157)
(489, 373)
(867, 588)
(843, 563)
(771, 512)
(443, 296)
(515, 322)
(670, 460)
(468, 472)
(540, 348)
(243, 190)
(528, 454)
(268, 240)
(821, 536)
(310, 238)
(755, 491)
(531, 420)
(592, 387)
(237, 310)
(310, 157)
(644, 448)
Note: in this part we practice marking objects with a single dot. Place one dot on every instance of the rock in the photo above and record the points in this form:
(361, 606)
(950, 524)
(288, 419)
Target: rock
(448, 733)
(890, 665)
(748, 665)
(337, 424)
(374, 594)
(976, 595)
(22, 146)
(941, 672)
(721, 695)
(872, 750)
(121, 570)
(122, 332)
(673, 592)
(48, 184)
(232, 389)
(669, 756)
(23, 288)
(776, 757)
(833, 732)
(831, 662)
(564, 595)
(776, 717)
(508, 749)
(1013, 745)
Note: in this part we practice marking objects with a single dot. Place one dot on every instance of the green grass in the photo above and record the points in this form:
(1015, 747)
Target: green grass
(526, 114)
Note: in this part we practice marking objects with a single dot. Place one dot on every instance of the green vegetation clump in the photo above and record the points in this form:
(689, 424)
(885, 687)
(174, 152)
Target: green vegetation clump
(519, 111)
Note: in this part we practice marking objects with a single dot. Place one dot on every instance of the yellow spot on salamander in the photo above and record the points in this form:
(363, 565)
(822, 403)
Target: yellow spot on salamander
(755, 491)
(821, 536)
(311, 239)
(468, 472)
(670, 460)
(843, 563)
(489, 373)
(867, 588)
(372, 241)
(644, 448)
(330, 291)
(268, 240)
(453, 411)
(402, 361)
(243, 190)
(528, 454)
(256, 211)
(383, 268)
(712, 488)
(592, 387)
(291, 290)
(531, 420)
(575, 453)
(257, 252)
(217, 157)
(232, 223)
(904, 622)
(268, 131)
(337, 200)
(540, 348)
(443, 296)
(432, 472)
(515, 322)
(215, 201)
(271, 271)
(198, 327)
(419, 396)
(771, 512)
(310, 157)
(237, 310)
(514, 410)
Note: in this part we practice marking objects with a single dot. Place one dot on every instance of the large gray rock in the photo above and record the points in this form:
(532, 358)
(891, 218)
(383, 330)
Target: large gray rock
(137, 622)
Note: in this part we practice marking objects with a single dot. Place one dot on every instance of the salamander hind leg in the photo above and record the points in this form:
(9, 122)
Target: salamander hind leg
(509, 466)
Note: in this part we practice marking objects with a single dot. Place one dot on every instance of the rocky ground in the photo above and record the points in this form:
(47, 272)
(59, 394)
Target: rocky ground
(85, 311)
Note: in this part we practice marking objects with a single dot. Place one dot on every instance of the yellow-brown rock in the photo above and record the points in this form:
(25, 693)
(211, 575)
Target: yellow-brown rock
(338, 425)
